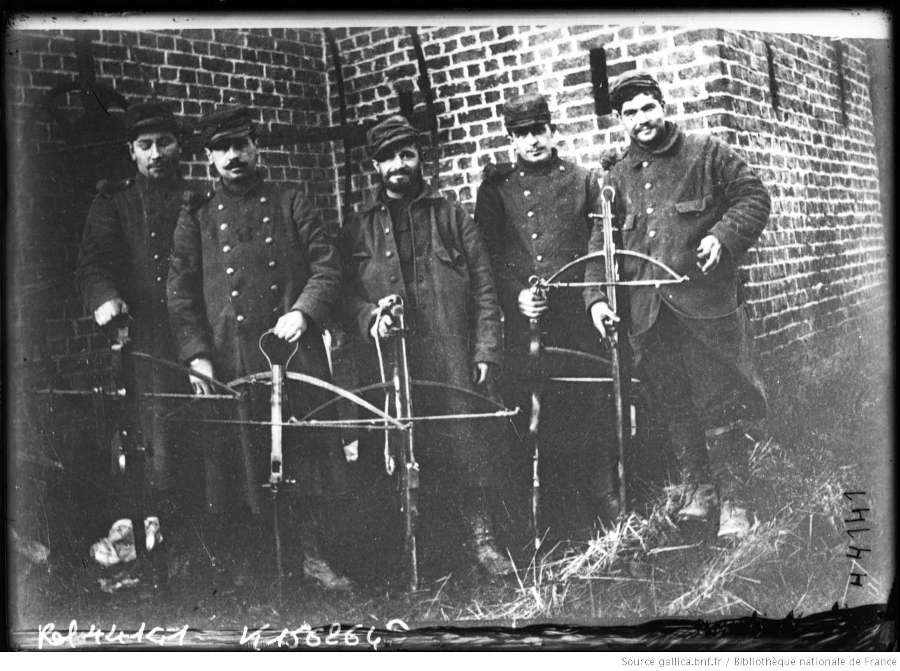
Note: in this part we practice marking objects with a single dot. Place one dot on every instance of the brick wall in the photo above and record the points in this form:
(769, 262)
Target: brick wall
(820, 266)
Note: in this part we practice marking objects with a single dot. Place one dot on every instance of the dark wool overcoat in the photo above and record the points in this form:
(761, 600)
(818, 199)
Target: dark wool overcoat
(667, 200)
(242, 259)
(124, 254)
(457, 317)
(535, 219)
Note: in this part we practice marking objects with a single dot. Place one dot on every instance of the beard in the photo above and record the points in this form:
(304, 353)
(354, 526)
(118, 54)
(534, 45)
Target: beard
(405, 183)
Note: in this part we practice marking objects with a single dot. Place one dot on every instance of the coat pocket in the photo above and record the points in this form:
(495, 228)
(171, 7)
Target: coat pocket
(694, 207)
(450, 256)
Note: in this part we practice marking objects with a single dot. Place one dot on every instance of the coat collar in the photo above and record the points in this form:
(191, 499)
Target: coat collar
(551, 163)
(638, 154)
(232, 192)
(428, 193)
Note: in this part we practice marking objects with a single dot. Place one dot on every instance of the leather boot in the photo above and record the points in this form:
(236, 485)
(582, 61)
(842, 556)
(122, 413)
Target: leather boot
(314, 564)
(729, 462)
(482, 544)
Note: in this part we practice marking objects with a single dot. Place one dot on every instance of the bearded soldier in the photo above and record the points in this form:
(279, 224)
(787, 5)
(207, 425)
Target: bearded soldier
(412, 242)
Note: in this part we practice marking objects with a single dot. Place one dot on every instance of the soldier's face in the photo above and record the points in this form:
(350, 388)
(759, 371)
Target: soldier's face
(533, 143)
(156, 154)
(644, 119)
(235, 158)
(401, 170)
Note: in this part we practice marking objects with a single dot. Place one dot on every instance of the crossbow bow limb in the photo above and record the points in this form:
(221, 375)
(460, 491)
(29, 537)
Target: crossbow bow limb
(540, 286)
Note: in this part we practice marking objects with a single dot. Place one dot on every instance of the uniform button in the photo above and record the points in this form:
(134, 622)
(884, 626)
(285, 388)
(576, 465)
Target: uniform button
(153, 234)
(521, 174)
(229, 271)
(649, 210)
(240, 318)
(647, 186)
(226, 248)
(534, 236)
(527, 192)
(562, 168)
(271, 264)
(274, 287)
(269, 241)
(652, 234)
(234, 294)
(223, 226)
(389, 254)
(221, 207)
(387, 231)
(531, 214)
(540, 258)
(156, 257)
(262, 200)
(266, 220)
(159, 279)
(393, 278)
(645, 164)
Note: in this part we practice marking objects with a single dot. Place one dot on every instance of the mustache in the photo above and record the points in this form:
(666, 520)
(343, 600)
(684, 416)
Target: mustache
(231, 165)
(400, 172)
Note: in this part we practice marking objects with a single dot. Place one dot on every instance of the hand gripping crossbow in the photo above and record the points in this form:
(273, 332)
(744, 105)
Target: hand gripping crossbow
(540, 286)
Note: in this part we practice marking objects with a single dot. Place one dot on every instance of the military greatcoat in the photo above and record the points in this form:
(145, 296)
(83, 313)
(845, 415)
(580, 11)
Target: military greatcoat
(667, 200)
(242, 259)
(535, 219)
(124, 254)
(456, 320)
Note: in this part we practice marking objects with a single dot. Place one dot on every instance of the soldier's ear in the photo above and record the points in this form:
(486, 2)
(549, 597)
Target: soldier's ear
(208, 154)
(130, 146)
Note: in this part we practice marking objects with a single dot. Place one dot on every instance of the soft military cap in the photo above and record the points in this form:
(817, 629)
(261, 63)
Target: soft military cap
(526, 110)
(152, 116)
(628, 85)
(388, 133)
(225, 124)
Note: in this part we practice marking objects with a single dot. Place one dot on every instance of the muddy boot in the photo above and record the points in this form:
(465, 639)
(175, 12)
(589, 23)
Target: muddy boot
(608, 486)
(314, 564)
(729, 461)
(482, 544)
(700, 509)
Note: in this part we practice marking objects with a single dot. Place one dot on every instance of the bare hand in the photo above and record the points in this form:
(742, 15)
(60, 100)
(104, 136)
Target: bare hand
(603, 317)
(532, 304)
(291, 326)
(383, 326)
(204, 367)
(109, 311)
(709, 254)
(480, 373)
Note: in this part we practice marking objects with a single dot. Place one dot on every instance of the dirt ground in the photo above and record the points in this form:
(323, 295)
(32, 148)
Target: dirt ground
(830, 431)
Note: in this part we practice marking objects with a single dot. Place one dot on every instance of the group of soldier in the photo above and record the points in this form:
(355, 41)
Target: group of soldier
(205, 273)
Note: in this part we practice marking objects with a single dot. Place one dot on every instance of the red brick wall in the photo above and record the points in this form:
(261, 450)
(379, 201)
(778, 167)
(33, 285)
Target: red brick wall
(820, 265)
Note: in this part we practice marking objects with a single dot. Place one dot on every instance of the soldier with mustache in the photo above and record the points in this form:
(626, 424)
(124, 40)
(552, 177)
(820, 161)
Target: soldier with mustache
(252, 256)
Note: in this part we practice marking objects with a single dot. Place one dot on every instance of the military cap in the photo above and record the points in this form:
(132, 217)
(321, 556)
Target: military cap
(628, 85)
(151, 116)
(226, 123)
(388, 133)
(526, 110)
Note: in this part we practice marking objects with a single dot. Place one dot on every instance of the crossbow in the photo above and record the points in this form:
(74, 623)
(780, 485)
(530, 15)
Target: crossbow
(396, 420)
(540, 286)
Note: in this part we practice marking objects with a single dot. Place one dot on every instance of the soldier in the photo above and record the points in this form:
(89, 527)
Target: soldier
(534, 215)
(250, 256)
(691, 202)
(412, 242)
(124, 260)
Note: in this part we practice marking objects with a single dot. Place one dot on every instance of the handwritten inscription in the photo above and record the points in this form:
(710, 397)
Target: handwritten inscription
(858, 509)
(50, 637)
(315, 637)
